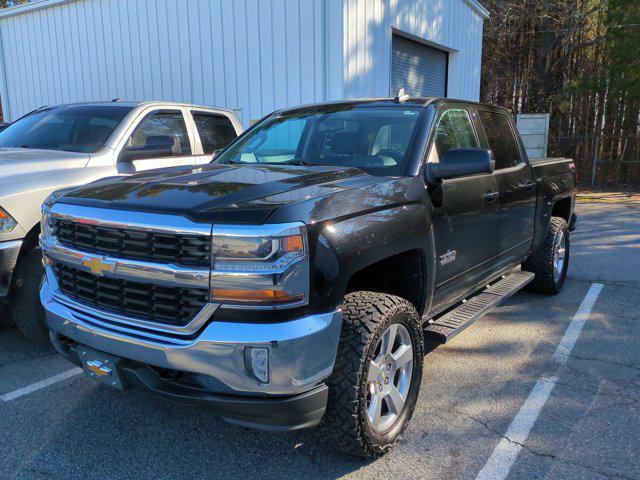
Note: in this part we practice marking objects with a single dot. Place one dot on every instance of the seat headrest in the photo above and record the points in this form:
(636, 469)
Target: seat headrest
(345, 143)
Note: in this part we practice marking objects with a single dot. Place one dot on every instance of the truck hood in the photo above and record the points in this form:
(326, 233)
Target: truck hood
(218, 193)
(24, 163)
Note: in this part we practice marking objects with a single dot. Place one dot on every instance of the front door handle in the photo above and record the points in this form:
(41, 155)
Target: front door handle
(490, 196)
(528, 185)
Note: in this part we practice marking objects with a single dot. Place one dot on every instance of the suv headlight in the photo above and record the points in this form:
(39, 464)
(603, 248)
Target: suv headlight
(46, 226)
(7, 222)
(260, 266)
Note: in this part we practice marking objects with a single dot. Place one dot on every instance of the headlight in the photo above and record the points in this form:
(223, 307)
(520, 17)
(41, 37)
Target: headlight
(265, 266)
(7, 222)
(46, 226)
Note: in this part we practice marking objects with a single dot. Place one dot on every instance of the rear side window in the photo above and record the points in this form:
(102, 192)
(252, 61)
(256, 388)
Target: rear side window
(163, 129)
(502, 141)
(454, 130)
(216, 131)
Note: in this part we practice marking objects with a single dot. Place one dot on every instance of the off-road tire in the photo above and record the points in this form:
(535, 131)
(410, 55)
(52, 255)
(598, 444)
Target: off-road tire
(25, 307)
(541, 262)
(345, 425)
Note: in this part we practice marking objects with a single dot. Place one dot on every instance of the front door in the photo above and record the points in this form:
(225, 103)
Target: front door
(516, 184)
(466, 213)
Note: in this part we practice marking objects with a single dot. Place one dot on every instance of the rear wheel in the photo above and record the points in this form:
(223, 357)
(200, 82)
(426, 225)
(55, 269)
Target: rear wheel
(26, 310)
(551, 261)
(376, 378)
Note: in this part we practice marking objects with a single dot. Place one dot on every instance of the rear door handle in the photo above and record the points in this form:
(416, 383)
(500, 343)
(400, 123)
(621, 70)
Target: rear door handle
(528, 185)
(490, 196)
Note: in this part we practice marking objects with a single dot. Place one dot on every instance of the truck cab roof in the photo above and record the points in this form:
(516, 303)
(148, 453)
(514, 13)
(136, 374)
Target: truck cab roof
(136, 103)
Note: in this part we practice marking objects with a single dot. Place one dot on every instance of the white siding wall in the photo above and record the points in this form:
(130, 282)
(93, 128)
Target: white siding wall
(452, 24)
(252, 55)
(257, 55)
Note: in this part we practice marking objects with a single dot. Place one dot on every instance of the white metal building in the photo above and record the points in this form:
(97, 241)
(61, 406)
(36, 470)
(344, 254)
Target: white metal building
(251, 55)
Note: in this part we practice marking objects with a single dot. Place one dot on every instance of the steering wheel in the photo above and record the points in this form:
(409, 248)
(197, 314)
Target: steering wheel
(396, 155)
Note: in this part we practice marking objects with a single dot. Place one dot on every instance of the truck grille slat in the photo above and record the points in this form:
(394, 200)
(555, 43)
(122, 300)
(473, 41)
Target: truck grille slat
(184, 249)
(168, 305)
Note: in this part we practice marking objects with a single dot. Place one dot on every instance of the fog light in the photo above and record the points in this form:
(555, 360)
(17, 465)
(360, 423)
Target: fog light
(256, 361)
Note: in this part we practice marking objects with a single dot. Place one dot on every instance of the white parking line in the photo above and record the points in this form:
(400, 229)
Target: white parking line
(575, 327)
(504, 455)
(7, 397)
(506, 452)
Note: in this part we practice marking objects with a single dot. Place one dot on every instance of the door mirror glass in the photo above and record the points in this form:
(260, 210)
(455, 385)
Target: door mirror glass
(460, 162)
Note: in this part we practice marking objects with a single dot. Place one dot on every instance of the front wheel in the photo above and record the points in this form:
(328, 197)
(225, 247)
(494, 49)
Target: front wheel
(377, 374)
(26, 310)
(551, 261)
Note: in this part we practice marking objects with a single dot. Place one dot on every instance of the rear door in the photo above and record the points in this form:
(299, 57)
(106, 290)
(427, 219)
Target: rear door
(214, 130)
(466, 211)
(516, 184)
(159, 131)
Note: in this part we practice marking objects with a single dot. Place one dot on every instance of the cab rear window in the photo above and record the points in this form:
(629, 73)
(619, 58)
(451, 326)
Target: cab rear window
(501, 138)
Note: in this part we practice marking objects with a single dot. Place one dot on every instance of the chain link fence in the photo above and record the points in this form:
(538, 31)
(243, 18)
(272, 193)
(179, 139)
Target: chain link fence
(602, 160)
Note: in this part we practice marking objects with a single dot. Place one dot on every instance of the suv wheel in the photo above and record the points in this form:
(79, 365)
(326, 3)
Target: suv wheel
(551, 261)
(376, 378)
(26, 311)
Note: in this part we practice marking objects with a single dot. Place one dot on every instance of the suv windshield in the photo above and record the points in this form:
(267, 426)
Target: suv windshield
(376, 139)
(77, 128)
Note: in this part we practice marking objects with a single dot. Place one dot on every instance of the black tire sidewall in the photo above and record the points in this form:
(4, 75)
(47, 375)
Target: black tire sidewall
(26, 311)
(377, 441)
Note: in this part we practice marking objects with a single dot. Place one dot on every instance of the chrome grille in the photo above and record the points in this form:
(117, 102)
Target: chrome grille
(167, 305)
(192, 250)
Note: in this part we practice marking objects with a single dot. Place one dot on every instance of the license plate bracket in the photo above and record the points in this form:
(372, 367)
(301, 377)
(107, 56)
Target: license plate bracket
(101, 366)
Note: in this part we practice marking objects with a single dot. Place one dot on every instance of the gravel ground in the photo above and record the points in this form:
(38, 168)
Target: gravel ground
(472, 390)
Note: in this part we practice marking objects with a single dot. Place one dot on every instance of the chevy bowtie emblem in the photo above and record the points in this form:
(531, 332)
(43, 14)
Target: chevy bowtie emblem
(99, 265)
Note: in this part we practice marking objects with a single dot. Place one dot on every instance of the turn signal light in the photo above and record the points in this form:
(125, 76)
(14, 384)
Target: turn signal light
(293, 243)
(267, 296)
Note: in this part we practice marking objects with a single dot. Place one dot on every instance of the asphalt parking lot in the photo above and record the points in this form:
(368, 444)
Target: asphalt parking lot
(501, 400)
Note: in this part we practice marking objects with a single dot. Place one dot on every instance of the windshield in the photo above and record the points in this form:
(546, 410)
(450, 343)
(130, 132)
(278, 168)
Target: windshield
(77, 128)
(376, 139)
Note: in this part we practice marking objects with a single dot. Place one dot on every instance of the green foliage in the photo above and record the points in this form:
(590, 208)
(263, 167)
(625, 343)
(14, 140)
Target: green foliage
(623, 47)
(579, 61)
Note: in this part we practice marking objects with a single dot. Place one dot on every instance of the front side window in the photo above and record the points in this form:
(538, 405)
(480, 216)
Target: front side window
(454, 130)
(377, 140)
(162, 131)
(216, 131)
(502, 141)
(72, 128)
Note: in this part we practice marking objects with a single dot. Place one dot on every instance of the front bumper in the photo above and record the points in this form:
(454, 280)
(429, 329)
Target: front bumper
(276, 413)
(9, 252)
(301, 355)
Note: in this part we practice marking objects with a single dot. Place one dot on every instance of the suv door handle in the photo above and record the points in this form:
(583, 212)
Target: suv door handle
(528, 185)
(490, 196)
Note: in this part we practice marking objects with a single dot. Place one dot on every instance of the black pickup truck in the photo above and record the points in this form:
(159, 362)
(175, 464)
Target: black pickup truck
(297, 279)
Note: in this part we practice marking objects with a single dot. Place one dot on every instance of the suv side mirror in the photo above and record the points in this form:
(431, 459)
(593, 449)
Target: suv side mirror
(459, 162)
(156, 146)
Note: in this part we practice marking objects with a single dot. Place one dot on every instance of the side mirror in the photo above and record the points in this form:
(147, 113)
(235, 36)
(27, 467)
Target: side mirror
(156, 146)
(460, 162)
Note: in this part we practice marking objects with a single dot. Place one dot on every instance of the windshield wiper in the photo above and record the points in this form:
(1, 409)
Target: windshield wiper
(295, 161)
(301, 163)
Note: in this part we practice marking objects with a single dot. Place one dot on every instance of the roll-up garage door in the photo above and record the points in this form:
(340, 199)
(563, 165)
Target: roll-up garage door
(420, 69)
